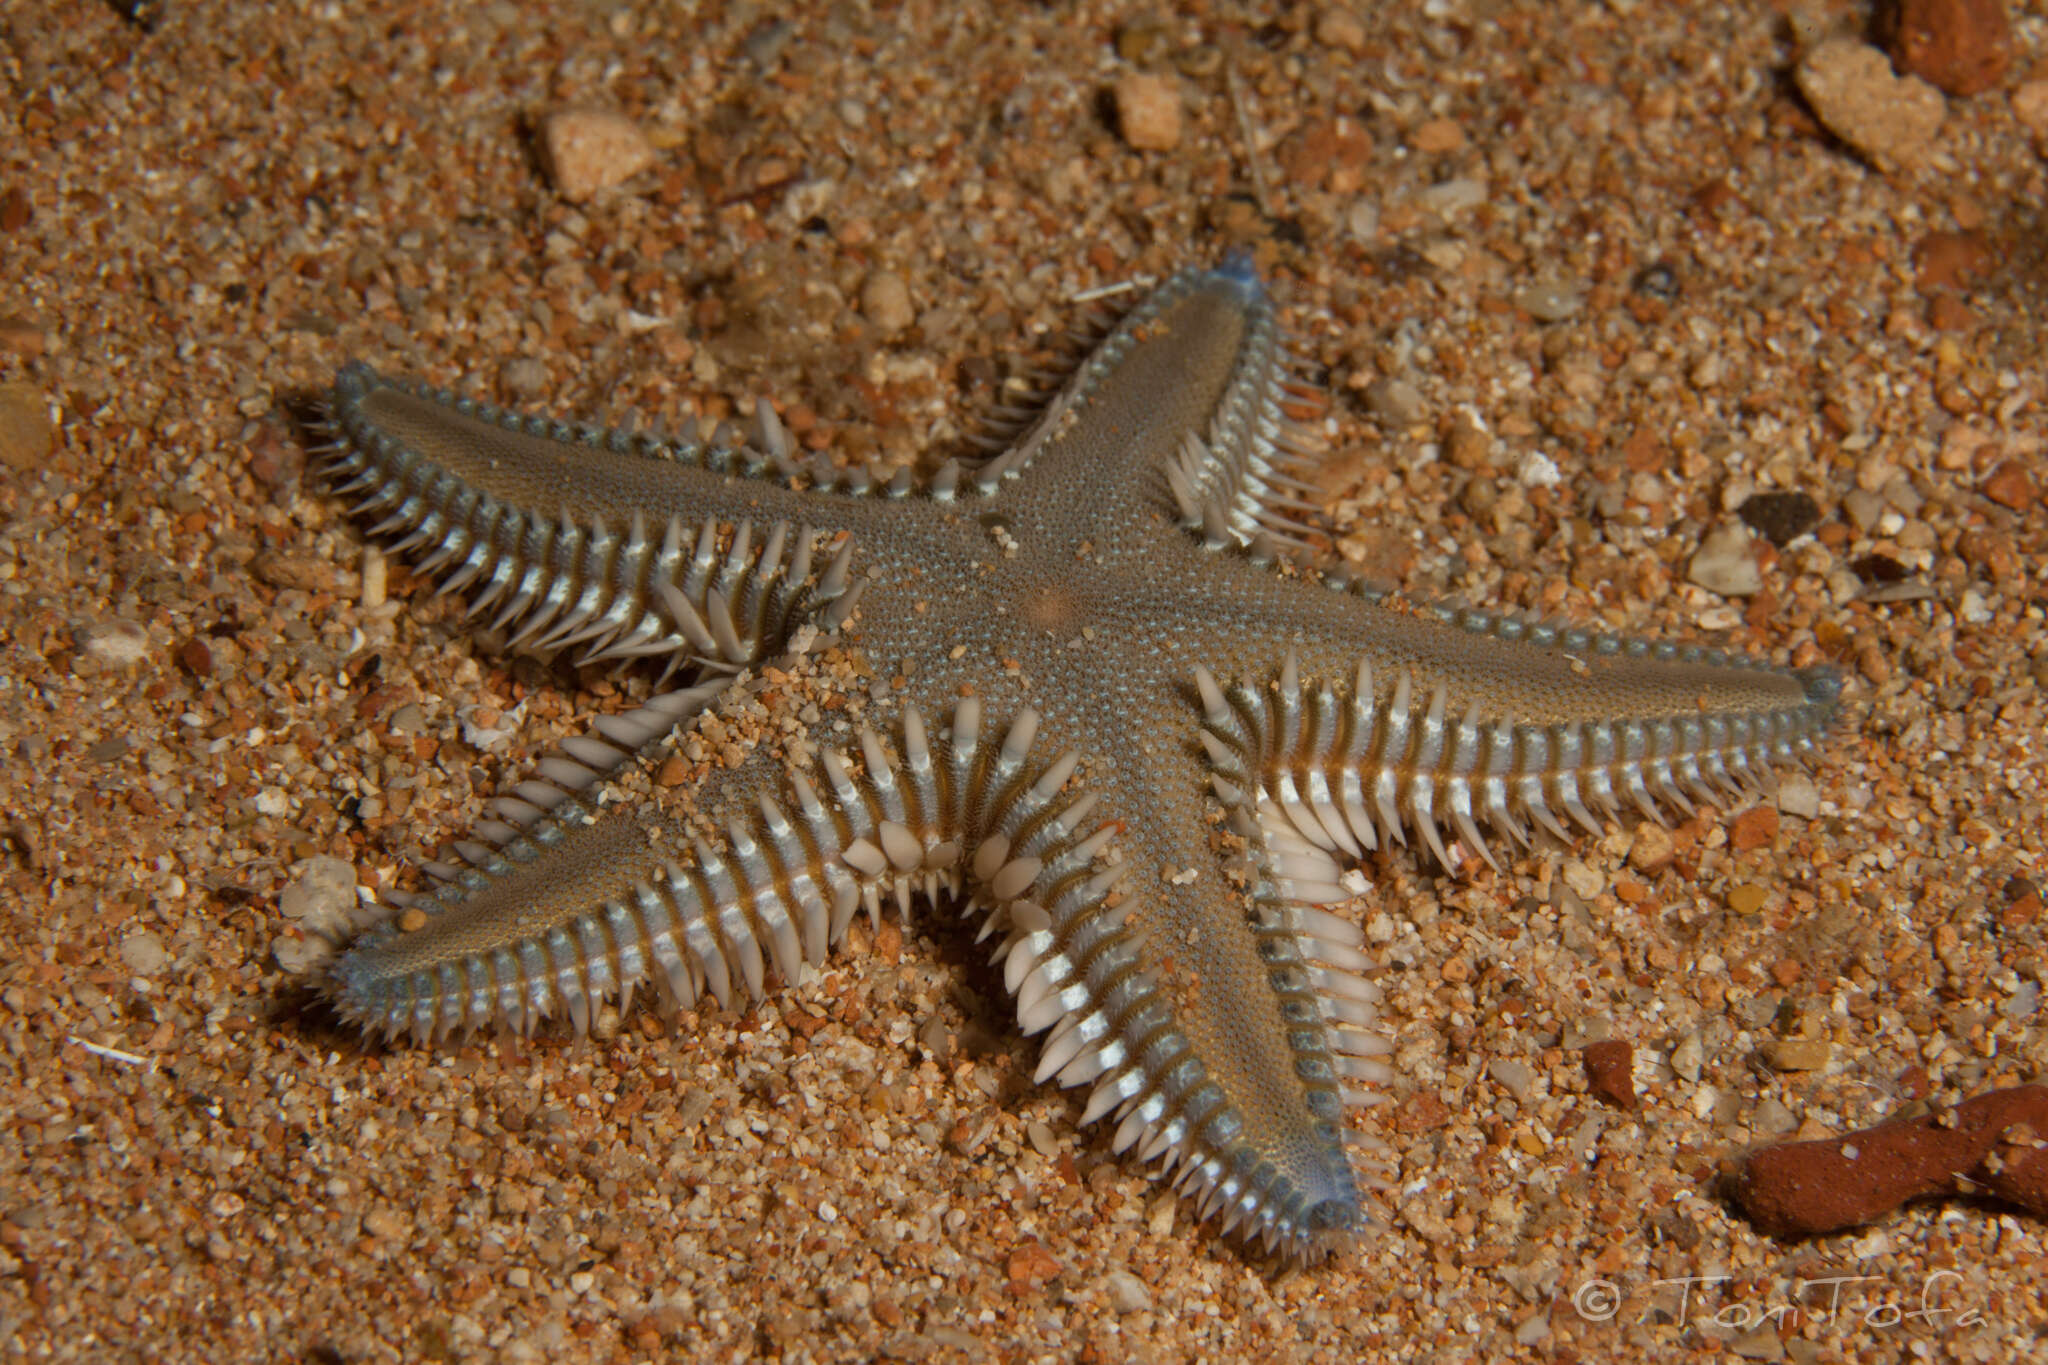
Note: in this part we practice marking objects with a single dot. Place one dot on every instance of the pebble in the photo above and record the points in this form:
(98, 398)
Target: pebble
(589, 150)
(885, 301)
(322, 893)
(2009, 485)
(1340, 28)
(486, 728)
(117, 643)
(2030, 107)
(524, 377)
(1610, 1071)
(1797, 795)
(1127, 1293)
(1550, 300)
(1396, 402)
(1747, 899)
(1778, 517)
(1449, 197)
(1437, 136)
(1148, 112)
(305, 573)
(1753, 828)
(26, 436)
(1890, 119)
(1960, 46)
(1863, 506)
(144, 953)
(1652, 849)
(1584, 880)
(1798, 1054)
(375, 578)
(1725, 564)
(1514, 1076)
(1688, 1056)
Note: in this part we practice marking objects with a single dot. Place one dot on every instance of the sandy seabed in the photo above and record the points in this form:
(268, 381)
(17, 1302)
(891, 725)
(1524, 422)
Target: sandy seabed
(1582, 281)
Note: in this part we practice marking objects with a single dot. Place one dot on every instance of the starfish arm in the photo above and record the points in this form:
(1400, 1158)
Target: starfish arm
(1180, 411)
(1456, 716)
(619, 545)
(592, 880)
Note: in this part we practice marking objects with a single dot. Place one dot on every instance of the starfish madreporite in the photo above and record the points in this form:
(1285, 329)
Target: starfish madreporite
(1070, 686)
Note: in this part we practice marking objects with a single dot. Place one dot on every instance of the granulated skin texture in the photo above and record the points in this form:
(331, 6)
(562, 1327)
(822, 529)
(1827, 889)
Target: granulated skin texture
(207, 220)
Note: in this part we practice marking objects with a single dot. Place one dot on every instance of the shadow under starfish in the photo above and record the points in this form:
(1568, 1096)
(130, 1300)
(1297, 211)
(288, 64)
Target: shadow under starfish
(1073, 684)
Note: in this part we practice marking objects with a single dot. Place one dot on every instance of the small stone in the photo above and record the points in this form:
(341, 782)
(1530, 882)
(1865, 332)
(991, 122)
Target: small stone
(1514, 1076)
(116, 643)
(144, 954)
(1437, 136)
(1340, 28)
(1891, 120)
(1148, 112)
(1761, 1344)
(1797, 795)
(1778, 517)
(321, 895)
(589, 150)
(885, 301)
(1127, 1293)
(1747, 899)
(1584, 880)
(375, 579)
(1753, 828)
(1798, 1054)
(1550, 300)
(488, 729)
(1863, 506)
(1652, 849)
(1610, 1071)
(1468, 444)
(26, 436)
(2009, 486)
(1687, 1058)
(524, 377)
(1960, 46)
(1951, 260)
(390, 1224)
(306, 573)
(1725, 562)
(196, 657)
(2030, 107)
(1031, 1265)
(1396, 402)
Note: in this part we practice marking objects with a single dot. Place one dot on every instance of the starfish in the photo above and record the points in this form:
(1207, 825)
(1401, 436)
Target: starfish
(1084, 689)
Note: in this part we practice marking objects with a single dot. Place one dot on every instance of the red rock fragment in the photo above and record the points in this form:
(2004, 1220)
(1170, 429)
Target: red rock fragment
(1987, 1144)
(1610, 1071)
(196, 657)
(1420, 1113)
(1030, 1266)
(13, 210)
(1950, 260)
(1754, 828)
(1962, 47)
(2009, 486)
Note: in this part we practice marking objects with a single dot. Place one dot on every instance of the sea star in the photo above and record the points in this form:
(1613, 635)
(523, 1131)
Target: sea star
(1082, 693)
